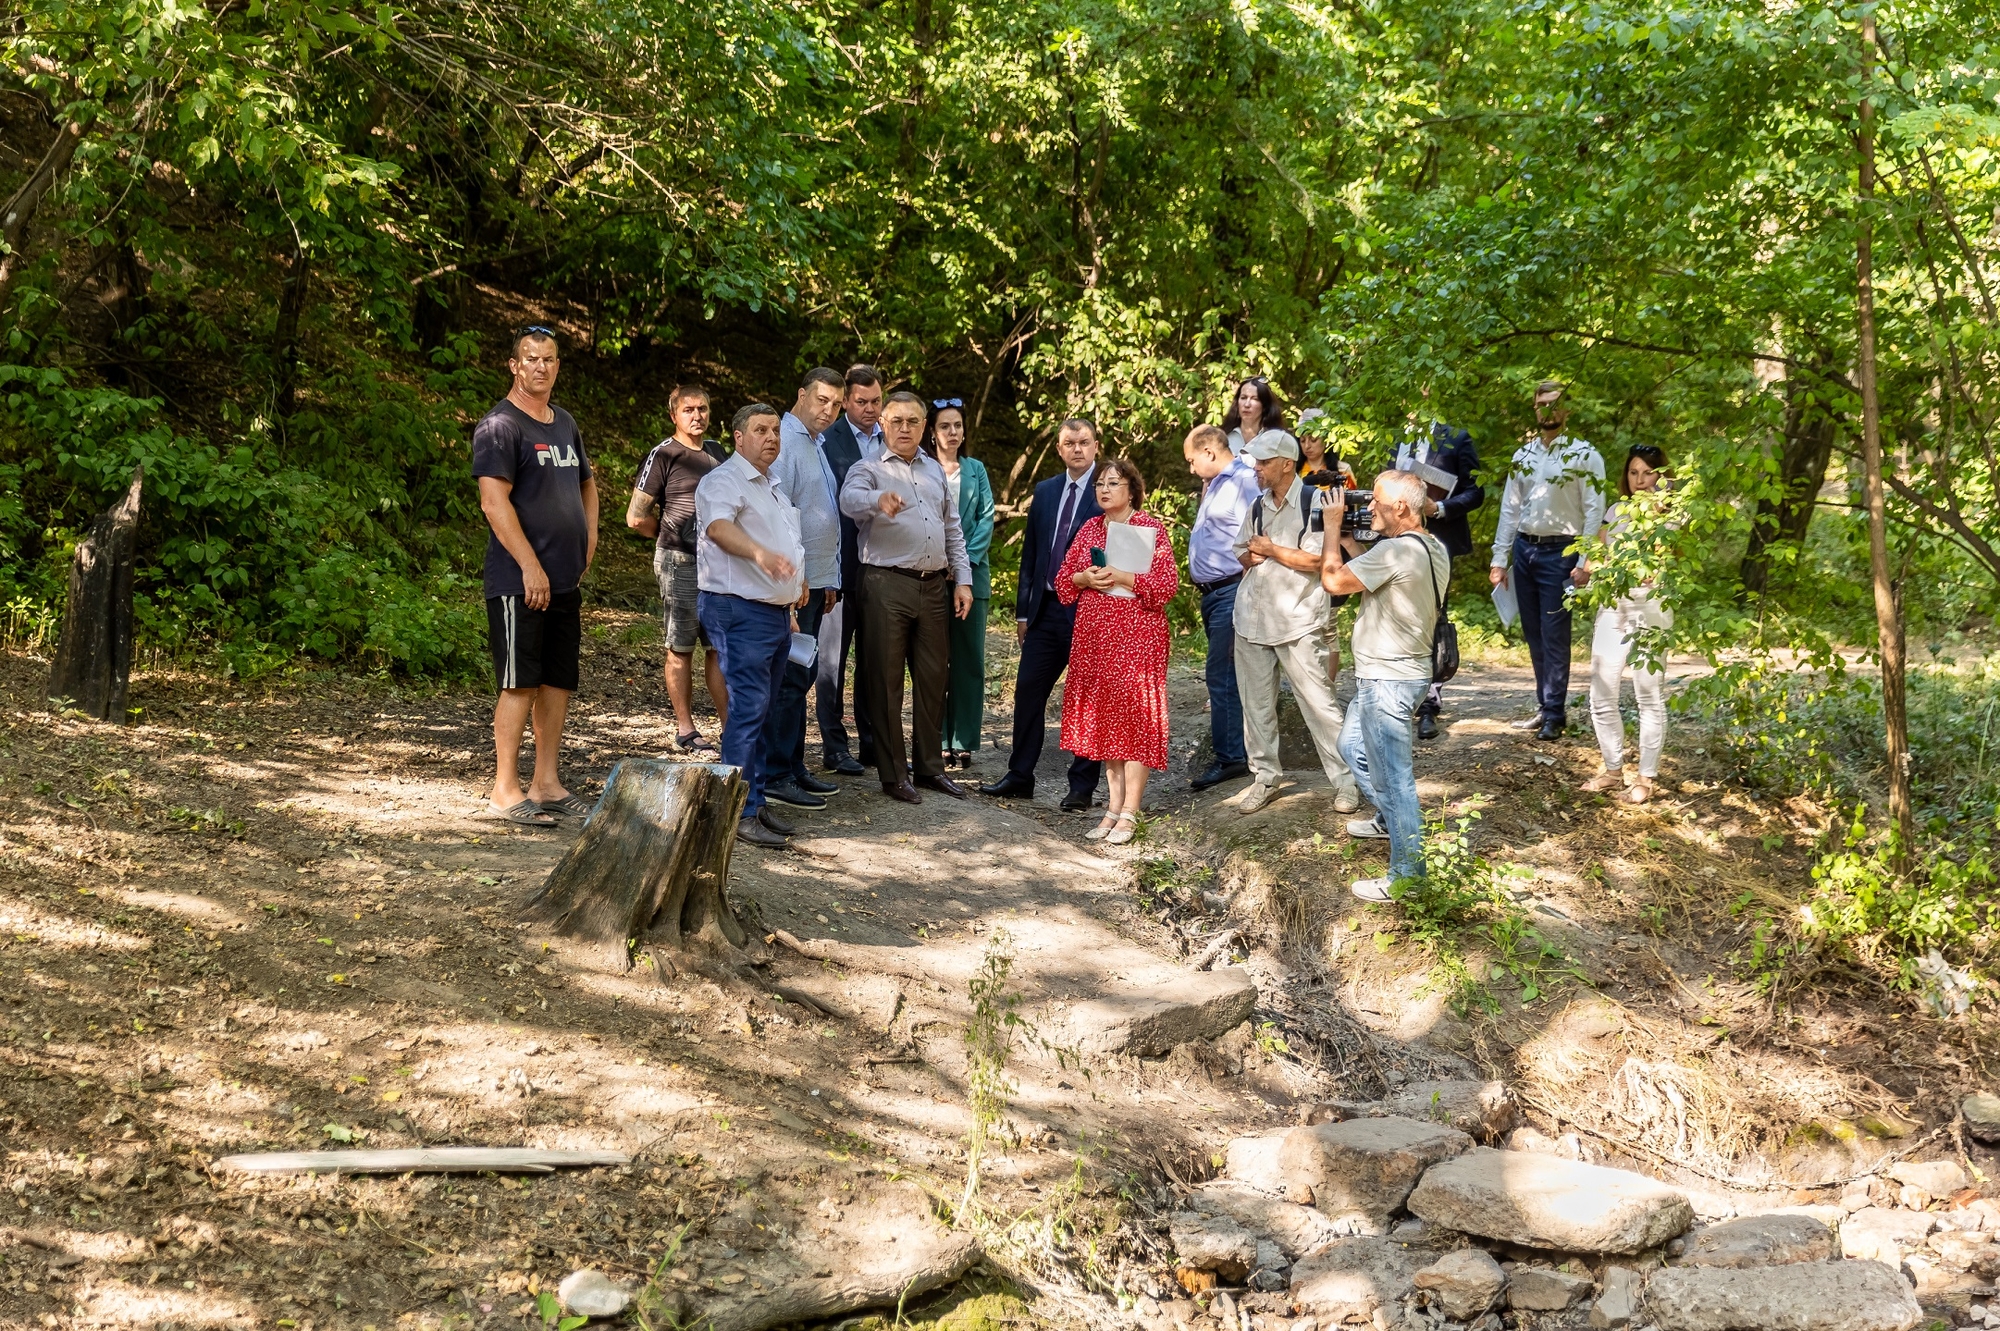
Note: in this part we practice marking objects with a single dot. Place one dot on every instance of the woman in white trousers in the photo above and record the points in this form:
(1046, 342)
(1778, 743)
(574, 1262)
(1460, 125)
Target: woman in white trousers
(1611, 647)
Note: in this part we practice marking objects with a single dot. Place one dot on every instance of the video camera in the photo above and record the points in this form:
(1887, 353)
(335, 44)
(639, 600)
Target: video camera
(1357, 511)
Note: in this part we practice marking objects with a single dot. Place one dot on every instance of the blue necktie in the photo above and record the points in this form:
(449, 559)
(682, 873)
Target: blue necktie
(1062, 533)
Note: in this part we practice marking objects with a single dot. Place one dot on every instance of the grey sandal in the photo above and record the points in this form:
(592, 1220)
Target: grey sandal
(527, 813)
(568, 804)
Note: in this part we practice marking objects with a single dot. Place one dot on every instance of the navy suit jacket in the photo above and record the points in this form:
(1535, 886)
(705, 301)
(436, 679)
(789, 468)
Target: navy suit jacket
(1452, 451)
(1039, 546)
(843, 450)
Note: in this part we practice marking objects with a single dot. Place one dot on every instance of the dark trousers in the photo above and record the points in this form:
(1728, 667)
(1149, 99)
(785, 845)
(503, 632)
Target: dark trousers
(751, 639)
(965, 689)
(832, 685)
(1541, 576)
(785, 728)
(1225, 705)
(906, 626)
(1044, 657)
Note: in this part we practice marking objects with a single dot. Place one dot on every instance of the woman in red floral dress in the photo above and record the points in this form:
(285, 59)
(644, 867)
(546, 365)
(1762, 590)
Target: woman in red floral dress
(1115, 697)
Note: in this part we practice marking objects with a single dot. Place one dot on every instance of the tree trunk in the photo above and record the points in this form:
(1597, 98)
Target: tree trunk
(291, 304)
(19, 211)
(1888, 598)
(652, 864)
(1809, 435)
(93, 664)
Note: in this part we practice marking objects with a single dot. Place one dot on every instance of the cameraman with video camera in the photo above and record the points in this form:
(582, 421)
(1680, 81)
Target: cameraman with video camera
(1400, 578)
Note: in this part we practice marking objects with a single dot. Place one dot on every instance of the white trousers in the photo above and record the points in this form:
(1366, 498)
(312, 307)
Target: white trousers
(1610, 649)
(1303, 661)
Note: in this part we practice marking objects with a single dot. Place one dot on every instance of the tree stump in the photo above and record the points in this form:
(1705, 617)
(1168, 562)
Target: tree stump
(652, 864)
(93, 666)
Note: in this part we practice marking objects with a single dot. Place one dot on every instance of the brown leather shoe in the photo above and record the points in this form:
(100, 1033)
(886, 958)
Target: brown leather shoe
(902, 790)
(944, 785)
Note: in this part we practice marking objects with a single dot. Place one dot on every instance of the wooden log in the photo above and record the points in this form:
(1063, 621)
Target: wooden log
(652, 865)
(429, 1160)
(93, 665)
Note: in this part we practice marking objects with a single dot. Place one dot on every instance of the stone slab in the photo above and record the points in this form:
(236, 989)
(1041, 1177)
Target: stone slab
(1761, 1240)
(1361, 1171)
(1257, 1162)
(1815, 1296)
(1212, 1243)
(1295, 1229)
(1349, 1279)
(1540, 1201)
(1484, 1110)
(1539, 1289)
(1464, 1283)
(1884, 1234)
(1939, 1178)
(1200, 1005)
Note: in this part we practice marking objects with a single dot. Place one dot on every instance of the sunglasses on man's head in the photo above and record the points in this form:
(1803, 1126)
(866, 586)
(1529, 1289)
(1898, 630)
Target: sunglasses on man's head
(942, 402)
(539, 330)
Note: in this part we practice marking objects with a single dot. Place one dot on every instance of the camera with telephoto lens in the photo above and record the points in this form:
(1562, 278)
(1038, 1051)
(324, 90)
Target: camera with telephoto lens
(1357, 513)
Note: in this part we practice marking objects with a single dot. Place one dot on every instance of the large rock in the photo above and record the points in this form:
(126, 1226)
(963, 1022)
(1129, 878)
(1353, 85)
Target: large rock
(1817, 1296)
(1464, 1283)
(1939, 1178)
(1539, 1289)
(1880, 1234)
(1361, 1171)
(1295, 1229)
(1761, 1240)
(1539, 1201)
(1982, 1115)
(1199, 1005)
(1349, 1279)
(1213, 1243)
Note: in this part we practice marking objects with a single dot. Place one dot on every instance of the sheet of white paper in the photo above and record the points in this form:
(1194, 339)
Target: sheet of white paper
(805, 650)
(1128, 549)
(1504, 602)
(1407, 460)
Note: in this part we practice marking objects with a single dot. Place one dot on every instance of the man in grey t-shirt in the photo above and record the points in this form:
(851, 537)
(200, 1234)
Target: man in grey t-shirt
(1401, 581)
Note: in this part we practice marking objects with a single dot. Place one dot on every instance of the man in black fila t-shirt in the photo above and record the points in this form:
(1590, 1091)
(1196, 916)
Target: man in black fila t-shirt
(539, 498)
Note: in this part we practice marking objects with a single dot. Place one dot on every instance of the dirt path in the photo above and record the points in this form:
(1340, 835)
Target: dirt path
(270, 919)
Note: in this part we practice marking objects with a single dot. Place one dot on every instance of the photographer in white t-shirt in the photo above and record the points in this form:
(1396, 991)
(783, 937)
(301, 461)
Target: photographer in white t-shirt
(1401, 579)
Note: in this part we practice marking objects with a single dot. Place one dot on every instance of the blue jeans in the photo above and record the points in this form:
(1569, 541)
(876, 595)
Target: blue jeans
(785, 728)
(752, 639)
(1541, 581)
(1225, 705)
(1378, 743)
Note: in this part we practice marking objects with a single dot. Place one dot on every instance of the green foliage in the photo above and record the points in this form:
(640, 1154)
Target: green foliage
(989, 1038)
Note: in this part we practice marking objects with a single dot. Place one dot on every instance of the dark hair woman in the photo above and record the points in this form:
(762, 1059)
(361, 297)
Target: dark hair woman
(1252, 411)
(1611, 646)
(972, 490)
(1115, 701)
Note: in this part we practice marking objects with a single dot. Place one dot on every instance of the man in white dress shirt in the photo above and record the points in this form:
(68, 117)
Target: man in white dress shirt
(1553, 504)
(804, 474)
(747, 560)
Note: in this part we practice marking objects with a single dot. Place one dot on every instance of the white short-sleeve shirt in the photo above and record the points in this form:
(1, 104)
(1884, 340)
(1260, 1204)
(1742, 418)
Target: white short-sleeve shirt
(739, 493)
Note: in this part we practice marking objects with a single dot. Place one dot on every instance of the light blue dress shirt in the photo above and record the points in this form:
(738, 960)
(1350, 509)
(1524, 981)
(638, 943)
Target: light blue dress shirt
(1225, 503)
(801, 471)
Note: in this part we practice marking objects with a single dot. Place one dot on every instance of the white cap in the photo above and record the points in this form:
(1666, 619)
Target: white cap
(1273, 444)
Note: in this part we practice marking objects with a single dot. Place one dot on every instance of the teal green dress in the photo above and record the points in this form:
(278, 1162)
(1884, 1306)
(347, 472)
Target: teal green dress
(965, 685)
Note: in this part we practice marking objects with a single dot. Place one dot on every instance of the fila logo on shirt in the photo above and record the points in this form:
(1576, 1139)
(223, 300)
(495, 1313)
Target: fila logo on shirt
(563, 457)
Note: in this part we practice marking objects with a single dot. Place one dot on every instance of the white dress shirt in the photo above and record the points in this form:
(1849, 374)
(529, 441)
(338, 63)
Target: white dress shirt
(806, 477)
(1552, 490)
(735, 492)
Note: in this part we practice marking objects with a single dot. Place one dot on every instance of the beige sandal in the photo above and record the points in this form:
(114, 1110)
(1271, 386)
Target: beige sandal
(1603, 781)
(1103, 829)
(1128, 821)
(1639, 791)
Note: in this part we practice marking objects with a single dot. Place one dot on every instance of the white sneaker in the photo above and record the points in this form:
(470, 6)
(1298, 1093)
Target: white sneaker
(1347, 798)
(1372, 889)
(1368, 828)
(1255, 797)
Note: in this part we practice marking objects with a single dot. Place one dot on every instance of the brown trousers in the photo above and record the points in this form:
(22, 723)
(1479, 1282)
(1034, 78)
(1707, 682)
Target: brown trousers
(905, 623)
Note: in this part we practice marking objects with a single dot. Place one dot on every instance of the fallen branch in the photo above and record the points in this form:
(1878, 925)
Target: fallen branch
(1215, 949)
(430, 1160)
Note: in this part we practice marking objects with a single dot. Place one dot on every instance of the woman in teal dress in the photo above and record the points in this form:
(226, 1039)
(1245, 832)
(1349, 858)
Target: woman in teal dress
(965, 687)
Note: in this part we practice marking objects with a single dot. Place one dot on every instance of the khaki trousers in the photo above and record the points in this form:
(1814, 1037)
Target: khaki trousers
(1303, 661)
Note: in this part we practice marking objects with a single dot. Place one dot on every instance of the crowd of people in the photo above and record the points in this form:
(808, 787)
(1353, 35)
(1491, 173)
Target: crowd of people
(855, 527)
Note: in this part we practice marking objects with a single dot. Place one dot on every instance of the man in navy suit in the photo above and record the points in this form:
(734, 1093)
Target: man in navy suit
(1062, 504)
(1447, 448)
(856, 432)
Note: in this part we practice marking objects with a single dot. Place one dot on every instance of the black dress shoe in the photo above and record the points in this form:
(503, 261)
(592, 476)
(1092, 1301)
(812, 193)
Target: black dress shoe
(787, 792)
(902, 790)
(1552, 729)
(1427, 726)
(844, 764)
(1217, 773)
(1009, 786)
(775, 823)
(1075, 803)
(944, 785)
(754, 833)
(812, 785)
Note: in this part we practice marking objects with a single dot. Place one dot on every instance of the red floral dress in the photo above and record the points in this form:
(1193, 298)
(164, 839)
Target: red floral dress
(1115, 697)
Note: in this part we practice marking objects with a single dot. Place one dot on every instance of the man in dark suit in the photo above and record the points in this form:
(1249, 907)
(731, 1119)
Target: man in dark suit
(855, 433)
(1448, 449)
(1060, 507)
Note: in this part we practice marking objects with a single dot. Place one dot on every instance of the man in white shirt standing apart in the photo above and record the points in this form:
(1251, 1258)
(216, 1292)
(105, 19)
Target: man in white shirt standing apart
(1281, 624)
(747, 561)
(1553, 504)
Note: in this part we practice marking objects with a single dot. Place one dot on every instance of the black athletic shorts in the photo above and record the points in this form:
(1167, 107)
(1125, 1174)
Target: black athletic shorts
(535, 648)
